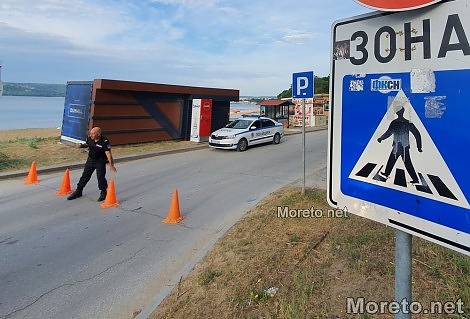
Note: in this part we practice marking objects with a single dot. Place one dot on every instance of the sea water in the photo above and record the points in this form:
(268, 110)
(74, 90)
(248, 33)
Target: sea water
(20, 112)
(242, 107)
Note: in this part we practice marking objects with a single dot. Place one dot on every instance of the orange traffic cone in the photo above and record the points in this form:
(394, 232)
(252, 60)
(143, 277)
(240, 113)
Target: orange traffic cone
(65, 188)
(110, 200)
(32, 175)
(174, 215)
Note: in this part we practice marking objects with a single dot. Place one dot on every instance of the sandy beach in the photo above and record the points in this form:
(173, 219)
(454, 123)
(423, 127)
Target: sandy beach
(9, 135)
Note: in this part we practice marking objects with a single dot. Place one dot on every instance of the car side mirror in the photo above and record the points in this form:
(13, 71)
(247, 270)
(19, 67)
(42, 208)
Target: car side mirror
(253, 128)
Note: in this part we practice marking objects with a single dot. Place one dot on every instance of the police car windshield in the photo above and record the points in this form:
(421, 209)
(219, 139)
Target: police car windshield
(240, 124)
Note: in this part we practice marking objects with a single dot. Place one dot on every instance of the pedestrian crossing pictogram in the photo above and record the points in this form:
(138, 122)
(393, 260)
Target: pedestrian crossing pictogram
(402, 156)
(428, 183)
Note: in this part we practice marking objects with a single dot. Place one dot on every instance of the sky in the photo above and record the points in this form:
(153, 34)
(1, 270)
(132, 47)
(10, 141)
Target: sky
(249, 45)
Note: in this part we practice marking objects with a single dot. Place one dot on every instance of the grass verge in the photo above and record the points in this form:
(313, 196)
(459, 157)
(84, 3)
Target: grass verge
(17, 153)
(271, 267)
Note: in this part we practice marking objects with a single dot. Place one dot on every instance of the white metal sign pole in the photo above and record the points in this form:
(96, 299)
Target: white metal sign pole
(303, 146)
(302, 88)
(403, 271)
(1, 83)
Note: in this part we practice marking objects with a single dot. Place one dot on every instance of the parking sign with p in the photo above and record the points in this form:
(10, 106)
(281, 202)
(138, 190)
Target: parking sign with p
(302, 85)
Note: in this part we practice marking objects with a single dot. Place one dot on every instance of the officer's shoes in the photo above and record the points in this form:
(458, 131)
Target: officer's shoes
(75, 194)
(102, 197)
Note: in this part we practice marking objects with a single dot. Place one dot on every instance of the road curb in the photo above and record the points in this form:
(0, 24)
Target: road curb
(76, 165)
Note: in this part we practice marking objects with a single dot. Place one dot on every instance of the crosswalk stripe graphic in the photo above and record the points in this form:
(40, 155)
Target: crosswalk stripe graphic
(441, 187)
(400, 180)
(366, 170)
(379, 177)
(393, 157)
(424, 185)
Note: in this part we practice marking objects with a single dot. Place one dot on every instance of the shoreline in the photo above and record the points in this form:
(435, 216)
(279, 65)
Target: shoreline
(25, 133)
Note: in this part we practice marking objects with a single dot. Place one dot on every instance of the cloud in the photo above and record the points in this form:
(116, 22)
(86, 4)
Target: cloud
(80, 23)
(254, 46)
(297, 36)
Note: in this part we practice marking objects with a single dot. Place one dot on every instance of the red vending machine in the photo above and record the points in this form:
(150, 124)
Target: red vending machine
(201, 120)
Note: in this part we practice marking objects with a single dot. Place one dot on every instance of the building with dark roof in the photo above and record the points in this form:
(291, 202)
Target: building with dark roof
(136, 112)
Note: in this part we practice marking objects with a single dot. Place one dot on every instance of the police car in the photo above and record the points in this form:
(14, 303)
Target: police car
(247, 131)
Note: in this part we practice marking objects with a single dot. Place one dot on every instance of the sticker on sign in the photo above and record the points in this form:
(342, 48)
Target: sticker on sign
(396, 5)
(399, 120)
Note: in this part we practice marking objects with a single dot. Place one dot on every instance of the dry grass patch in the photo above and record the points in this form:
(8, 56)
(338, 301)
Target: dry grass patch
(271, 267)
(18, 148)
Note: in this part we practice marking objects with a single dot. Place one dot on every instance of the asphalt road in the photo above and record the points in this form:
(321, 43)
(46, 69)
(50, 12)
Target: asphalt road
(73, 259)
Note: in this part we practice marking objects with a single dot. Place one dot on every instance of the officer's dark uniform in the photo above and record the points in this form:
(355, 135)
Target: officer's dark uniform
(96, 160)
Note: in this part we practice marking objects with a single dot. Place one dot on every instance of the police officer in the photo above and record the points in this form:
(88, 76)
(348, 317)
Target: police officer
(99, 152)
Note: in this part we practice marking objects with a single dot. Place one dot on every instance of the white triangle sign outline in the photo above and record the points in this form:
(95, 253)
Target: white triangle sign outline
(426, 163)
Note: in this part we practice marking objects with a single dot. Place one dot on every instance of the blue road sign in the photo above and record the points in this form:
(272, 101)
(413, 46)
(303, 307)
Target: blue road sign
(399, 139)
(426, 175)
(303, 85)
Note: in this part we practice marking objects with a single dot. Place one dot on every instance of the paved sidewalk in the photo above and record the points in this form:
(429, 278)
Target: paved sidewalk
(127, 158)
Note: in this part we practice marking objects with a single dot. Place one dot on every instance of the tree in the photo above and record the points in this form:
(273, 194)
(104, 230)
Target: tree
(33, 89)
(322, 85)
(285, 94)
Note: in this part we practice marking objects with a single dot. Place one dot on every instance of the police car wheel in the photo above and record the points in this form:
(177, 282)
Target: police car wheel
(277, 138)
(242, 145)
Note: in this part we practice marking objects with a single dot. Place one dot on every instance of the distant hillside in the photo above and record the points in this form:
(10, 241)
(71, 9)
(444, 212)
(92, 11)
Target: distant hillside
(33, 89)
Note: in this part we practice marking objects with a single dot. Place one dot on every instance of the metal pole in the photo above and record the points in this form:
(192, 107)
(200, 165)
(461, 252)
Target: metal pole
(403, 271)
(1, 83)
(303, 146)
